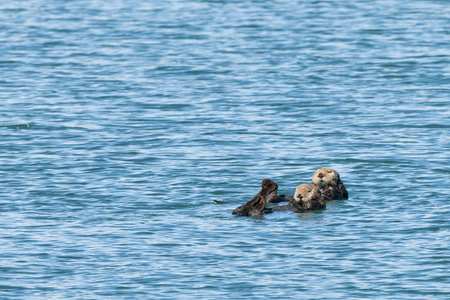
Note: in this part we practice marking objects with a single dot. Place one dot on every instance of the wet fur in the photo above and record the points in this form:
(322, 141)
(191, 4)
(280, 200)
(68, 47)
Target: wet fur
(256, 206)
(280, 198)
(307, 198)
(329, 184)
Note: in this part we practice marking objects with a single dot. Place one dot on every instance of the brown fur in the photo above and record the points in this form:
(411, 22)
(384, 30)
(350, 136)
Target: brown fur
(307, 198)
(329, 184)
(279, 198)
(256, 206)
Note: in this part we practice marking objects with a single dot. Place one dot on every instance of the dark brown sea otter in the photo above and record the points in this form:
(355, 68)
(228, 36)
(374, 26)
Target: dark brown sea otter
(329, 184)
(307, 198)
(256, 206)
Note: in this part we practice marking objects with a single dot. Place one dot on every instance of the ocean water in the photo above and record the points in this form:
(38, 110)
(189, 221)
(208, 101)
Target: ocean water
(122, 122)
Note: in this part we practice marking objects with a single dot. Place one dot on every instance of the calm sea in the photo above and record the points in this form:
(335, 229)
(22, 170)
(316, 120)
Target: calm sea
(122, 122)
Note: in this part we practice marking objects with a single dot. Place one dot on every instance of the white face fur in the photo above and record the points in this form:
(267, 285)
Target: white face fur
(305, 192)
(324, 176)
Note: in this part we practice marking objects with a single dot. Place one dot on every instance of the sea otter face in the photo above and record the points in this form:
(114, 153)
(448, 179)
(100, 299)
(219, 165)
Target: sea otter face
(306, 193)
(324, 177)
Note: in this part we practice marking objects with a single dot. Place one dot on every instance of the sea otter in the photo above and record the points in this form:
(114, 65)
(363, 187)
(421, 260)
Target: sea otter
(256, 206)
(307, 198)
(329, 184)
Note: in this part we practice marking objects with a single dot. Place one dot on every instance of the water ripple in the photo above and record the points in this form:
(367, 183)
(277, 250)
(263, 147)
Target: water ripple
(121, 124)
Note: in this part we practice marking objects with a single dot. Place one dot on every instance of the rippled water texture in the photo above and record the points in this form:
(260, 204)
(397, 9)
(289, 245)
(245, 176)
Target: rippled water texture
(122, 121)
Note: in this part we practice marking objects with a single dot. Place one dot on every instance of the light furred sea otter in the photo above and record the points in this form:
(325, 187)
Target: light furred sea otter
(327, 181)
(329, 184)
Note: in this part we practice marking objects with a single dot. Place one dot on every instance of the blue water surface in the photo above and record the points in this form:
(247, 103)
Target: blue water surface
(122, 122)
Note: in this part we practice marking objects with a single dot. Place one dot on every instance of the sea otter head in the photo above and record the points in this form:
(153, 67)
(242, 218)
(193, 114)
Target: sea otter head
(306, 193)
(325, 177)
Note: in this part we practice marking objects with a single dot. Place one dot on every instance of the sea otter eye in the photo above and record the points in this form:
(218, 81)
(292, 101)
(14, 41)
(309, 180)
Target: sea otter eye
(329, 171)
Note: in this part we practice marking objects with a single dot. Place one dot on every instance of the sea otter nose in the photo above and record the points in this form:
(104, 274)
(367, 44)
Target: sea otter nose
(320, 175)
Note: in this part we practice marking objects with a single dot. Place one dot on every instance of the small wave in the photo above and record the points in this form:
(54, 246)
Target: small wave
(18, 126)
